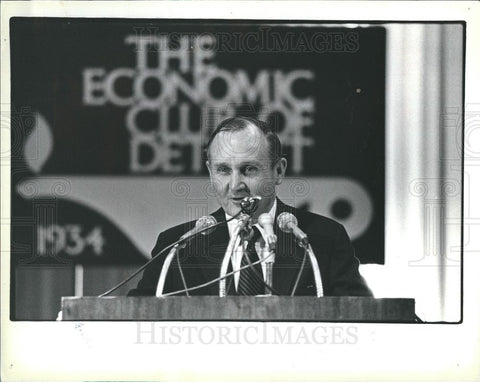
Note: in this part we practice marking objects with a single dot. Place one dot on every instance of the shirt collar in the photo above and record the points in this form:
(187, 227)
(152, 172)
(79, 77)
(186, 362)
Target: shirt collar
(233, 223)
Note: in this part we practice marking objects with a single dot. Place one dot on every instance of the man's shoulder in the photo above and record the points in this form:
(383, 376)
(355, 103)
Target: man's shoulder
(179, 229)
(312, 216)
(311, 219)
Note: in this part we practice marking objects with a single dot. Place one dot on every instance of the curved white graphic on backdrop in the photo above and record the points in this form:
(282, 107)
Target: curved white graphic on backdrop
(143, 206)
(322, 193)
(39, 144)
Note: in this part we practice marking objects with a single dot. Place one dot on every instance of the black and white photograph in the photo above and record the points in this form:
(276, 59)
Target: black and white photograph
(187, 184)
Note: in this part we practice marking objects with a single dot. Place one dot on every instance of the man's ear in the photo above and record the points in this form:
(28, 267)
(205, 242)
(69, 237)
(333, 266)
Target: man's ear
(280, 168)
(207, 163)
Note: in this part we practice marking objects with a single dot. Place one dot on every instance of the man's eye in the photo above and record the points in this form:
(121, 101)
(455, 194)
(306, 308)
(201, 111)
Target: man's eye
(251, 169)
(222, 170)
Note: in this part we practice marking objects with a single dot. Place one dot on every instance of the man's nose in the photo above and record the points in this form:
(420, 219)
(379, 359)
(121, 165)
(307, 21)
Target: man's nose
(237, 181)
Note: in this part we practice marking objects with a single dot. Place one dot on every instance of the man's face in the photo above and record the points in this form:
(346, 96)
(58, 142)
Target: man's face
(240, 165)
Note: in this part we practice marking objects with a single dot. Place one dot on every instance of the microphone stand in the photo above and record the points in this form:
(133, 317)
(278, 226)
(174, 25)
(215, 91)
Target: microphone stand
(166, 265)
(315, 268)
(182, 243)
(269, 256)
(165, 268)
(233, 244)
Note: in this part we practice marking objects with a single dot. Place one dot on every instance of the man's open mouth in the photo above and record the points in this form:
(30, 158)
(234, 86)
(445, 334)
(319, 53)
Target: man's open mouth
(237, 199)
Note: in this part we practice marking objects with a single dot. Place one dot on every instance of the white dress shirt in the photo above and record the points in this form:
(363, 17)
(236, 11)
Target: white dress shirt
(259, 245)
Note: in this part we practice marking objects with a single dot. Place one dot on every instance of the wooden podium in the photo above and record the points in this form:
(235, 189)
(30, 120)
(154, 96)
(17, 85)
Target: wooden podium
(239, 308)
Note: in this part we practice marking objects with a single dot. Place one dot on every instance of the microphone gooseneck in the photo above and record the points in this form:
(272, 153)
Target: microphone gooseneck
(155, 256)
(266, 221)
(200, 227)
(288, 223)
(242, 226)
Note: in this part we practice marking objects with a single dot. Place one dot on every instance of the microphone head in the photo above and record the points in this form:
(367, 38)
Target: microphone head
(204, 222)
(249, 204)
(286, 221)
(265, 219)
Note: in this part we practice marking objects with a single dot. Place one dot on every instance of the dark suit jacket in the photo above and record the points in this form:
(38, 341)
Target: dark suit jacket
(202, 258)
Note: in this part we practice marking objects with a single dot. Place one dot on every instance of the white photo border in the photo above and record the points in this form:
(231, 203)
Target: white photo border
(129, 351)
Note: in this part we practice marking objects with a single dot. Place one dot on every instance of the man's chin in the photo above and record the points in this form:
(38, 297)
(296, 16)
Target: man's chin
(232, 209)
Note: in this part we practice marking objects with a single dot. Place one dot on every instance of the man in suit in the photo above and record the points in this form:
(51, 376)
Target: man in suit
(244, 158)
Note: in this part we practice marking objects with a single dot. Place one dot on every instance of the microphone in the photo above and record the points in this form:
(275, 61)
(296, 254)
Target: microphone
(249, 204)
(240, 232)
(266, 222)
(289, 224)
(202, 223)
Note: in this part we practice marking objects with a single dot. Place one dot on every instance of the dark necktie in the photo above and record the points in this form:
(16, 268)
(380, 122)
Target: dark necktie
(250, 282)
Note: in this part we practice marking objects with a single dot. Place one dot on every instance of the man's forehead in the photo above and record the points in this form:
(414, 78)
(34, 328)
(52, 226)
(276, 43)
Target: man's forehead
(232, 161)
(243, 153)
(248, 141)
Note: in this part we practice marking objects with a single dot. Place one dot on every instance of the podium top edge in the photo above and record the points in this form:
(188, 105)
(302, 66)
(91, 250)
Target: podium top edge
(364, 298)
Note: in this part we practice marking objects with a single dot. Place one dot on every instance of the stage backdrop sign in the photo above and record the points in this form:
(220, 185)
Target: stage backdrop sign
(110, 118)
